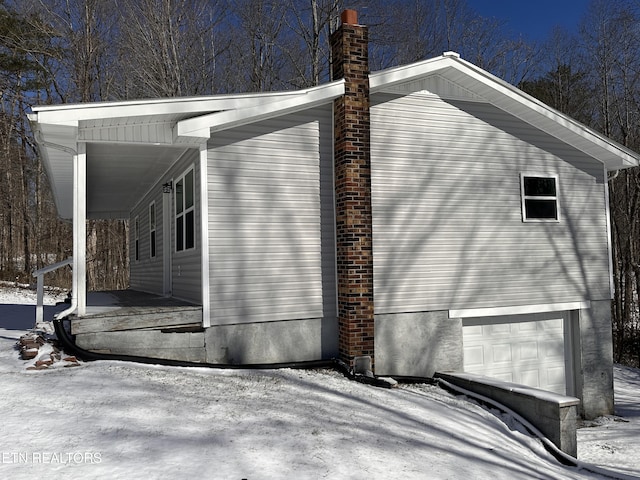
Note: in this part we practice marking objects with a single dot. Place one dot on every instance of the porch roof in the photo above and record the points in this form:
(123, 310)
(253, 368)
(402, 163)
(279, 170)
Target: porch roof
(131, 144)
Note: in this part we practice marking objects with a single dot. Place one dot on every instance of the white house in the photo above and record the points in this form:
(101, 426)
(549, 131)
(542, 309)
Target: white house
(430, 216)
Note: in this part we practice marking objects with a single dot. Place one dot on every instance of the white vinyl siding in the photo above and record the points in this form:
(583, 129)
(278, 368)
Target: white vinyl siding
(447, 222)
(270, 219)
(147, 274)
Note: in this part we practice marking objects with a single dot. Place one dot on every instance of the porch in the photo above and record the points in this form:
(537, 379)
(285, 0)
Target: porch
(132, 323)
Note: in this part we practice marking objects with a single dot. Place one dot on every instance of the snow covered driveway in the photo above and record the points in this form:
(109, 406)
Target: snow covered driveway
(128, 421)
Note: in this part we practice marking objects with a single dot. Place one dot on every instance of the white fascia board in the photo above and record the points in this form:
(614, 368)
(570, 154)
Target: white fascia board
(215, 122)
(383, 79)
(510, 99)
(61, 114)
(518, 310)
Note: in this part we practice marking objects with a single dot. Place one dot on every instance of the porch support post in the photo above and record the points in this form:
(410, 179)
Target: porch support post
(80, 228)
(204, 236)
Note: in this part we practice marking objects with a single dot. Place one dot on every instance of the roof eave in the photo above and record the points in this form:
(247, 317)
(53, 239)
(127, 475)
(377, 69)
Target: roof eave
(202, 126)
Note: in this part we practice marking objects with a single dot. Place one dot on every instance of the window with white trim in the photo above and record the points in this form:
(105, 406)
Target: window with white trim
(152, 229)
(539, 198)
(136, 238)
(185, 221)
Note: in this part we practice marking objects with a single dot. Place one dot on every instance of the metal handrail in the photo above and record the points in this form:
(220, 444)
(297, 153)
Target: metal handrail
(39, 274)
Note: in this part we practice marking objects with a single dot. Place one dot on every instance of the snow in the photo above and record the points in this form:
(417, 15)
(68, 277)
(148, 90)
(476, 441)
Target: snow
(110, 419)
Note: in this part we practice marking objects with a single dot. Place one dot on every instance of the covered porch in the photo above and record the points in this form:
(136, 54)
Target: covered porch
(133, 323)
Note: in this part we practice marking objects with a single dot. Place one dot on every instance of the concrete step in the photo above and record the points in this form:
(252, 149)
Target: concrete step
(136, 318)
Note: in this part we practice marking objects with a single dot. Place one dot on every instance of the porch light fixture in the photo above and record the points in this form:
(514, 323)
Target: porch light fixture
(167, 187)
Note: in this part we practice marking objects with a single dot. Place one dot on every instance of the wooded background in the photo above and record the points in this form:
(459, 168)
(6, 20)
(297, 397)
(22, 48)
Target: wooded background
(62, 51)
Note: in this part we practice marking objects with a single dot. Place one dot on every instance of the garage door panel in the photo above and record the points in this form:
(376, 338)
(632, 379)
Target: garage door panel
(498, 330)
(529, 377)
(526, 349)
(501, 353)
(505, 377)
(526, 328)
(555, 376)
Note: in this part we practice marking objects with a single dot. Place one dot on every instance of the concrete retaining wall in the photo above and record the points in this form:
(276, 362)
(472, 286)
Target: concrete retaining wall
(554, 415)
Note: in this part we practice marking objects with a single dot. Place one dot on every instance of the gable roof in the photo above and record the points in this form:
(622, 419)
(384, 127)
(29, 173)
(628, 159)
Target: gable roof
(452, 77)
(131, 144)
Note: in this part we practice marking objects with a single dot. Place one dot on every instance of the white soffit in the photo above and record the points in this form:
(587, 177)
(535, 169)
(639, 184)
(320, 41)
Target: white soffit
(437, 85)
(483, 85)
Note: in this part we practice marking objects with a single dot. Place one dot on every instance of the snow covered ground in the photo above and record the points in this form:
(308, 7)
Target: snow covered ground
(127, 421)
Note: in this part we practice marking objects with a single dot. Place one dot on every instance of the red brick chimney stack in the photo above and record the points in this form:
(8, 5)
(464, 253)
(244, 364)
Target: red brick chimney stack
(350, 60)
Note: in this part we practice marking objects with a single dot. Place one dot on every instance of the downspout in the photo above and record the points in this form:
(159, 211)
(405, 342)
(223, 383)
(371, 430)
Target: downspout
(68, 311)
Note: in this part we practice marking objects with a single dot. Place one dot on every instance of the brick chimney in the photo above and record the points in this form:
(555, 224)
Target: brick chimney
(350, 60)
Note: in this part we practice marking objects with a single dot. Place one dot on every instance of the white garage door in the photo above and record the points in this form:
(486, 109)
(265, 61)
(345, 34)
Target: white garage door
(524, 349)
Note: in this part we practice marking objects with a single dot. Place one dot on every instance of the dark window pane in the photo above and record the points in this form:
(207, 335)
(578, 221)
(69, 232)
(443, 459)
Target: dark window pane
(541, 209)
(137, 249)
(539, 186)
(152, 216)
(188, 189)
(153, 243)
(179, 195)
(190, 230)
(180, 233)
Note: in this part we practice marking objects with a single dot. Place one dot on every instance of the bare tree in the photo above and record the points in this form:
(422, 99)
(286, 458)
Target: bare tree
(611, 42)
(309, 51)
(168, 47)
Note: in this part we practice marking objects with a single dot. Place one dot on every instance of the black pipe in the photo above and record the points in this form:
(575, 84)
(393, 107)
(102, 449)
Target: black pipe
(87, 355)
(334, 363)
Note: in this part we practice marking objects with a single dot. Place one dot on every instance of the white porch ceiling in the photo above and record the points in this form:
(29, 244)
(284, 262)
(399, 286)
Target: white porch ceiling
(119, 175)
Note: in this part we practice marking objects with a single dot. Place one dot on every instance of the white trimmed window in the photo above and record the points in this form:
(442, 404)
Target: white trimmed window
(152, 229)
(136, 238)
(539, 198)
(185, 221)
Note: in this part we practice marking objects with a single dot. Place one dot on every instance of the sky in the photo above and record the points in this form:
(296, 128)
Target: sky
(533, 19)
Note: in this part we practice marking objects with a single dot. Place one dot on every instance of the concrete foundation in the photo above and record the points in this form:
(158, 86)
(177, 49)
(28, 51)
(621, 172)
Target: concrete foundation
(417, 344)
(593, 360)
(184, 347)
(272, 342)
